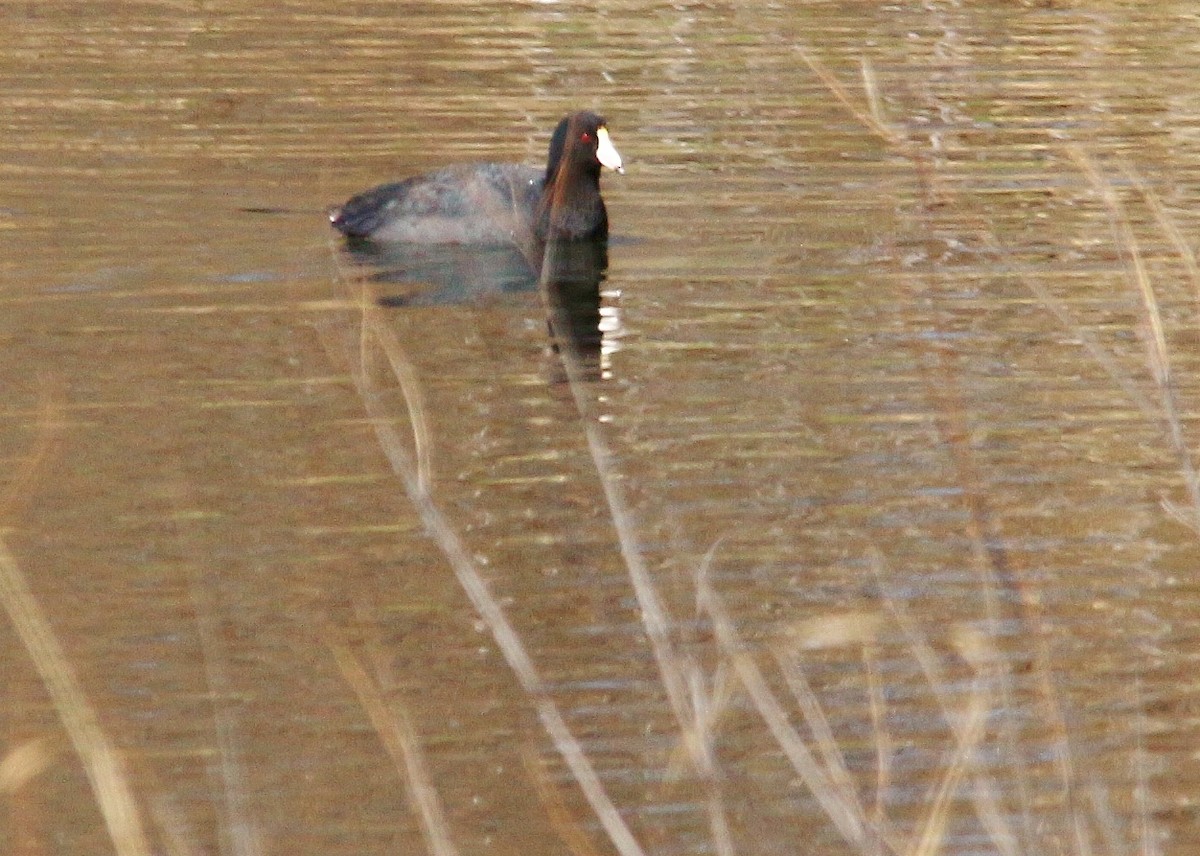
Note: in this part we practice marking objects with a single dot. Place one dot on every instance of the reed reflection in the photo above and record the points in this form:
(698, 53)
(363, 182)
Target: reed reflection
(572, 272)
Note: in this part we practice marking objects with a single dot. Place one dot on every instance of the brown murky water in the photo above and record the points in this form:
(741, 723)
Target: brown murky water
(901, 382)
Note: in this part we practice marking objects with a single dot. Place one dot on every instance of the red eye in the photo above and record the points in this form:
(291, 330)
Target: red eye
(585, 137)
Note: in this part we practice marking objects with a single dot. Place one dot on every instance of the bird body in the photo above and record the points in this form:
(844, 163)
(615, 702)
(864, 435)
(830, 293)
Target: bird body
(495, 203)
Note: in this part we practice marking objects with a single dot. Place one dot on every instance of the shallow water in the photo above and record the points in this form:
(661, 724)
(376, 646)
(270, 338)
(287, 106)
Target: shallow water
(901, 375)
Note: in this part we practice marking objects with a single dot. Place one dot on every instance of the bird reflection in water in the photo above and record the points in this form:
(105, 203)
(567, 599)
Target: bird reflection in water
(443, 274)
(572, 273)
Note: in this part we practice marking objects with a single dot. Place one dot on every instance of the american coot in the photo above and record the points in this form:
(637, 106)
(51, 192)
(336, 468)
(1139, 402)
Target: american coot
(495, 203)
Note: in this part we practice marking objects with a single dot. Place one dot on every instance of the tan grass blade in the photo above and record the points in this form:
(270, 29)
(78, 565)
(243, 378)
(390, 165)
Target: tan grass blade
(673, 666)
(884, 746)
(970, 732)
(444, 534)
(23, 763)
(239, 833)
(101, 762)
(1157, 355)
(856, 629)
(1141, 792)
(872, 118)
(867, 119)
(400, 739)
(986, 800)
(844, 815)
(1171, 229)
(175, 836)
(818, 724)
(375, 328)
(1086, 338)
(569, 829)
(655, 618)
(49, 435)
(710, 700)
(1131, 252)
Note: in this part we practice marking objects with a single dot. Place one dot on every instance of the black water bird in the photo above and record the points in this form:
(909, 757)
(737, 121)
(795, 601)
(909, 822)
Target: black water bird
(496, 203)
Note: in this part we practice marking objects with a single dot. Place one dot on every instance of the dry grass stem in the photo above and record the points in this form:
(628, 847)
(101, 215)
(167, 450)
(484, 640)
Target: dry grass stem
(446, 537)
(1170, 228)
(992, 564)
(915, 639)
(1167, 223)
(985, 800)
(240, 835)
(868, 119)
(1157, 356)
(1086, 338)
(710, 701)
(818, 724)
(673, 666)
(859, 629)
(970, 732)
(846, 815)
(872, 118)
(402, 743)
(375, 328)
(101, 762)
(884, 746)
(175, 835)
(570, 830)
(1131, 253)
(1141, 792)
(50, 426)
(1106, 820)
(23, 763)
(871, 91)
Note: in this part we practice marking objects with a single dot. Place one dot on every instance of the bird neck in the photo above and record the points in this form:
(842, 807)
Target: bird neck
(571, 206)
